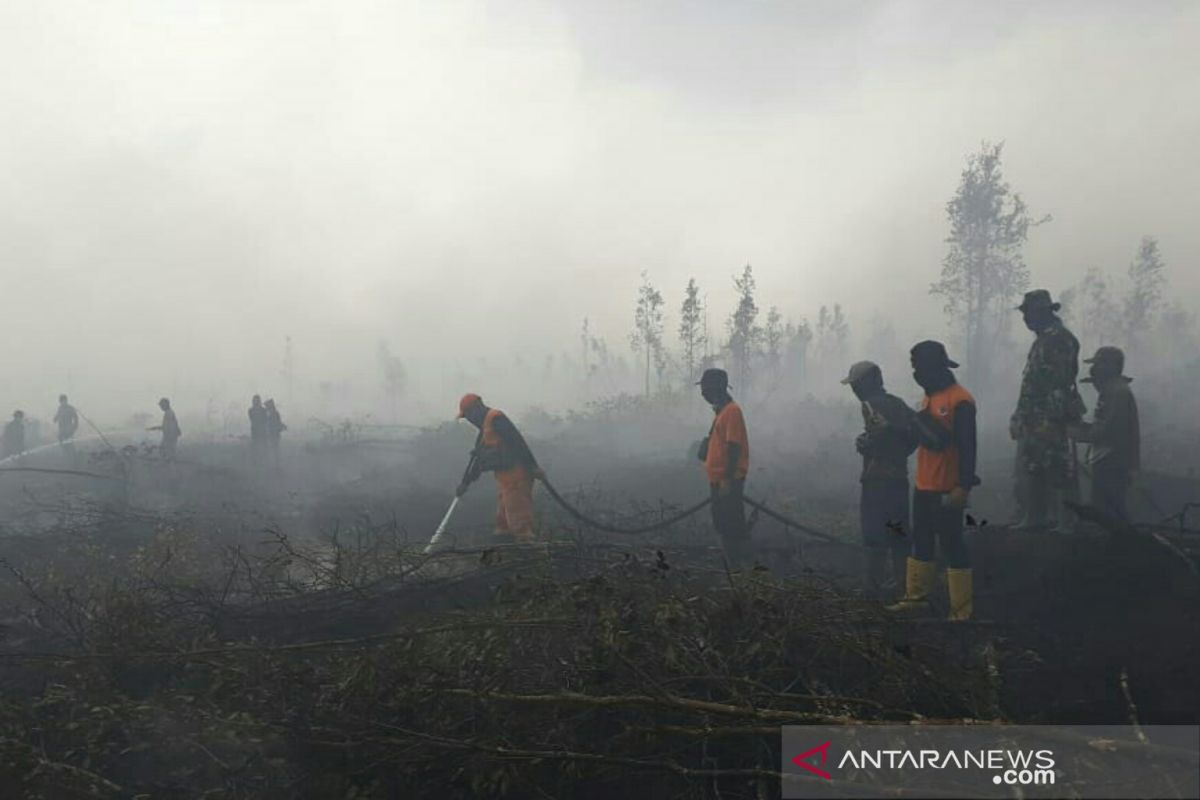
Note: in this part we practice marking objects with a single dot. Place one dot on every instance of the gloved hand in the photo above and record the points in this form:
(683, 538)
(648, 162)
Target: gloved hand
(957, 498)
(462, 489)
(862, 444)
(1014, 429)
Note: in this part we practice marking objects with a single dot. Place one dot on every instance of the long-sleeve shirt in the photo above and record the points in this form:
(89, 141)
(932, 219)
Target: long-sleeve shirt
(965, 440)
(514, 443)
(1048, 392)
(1114, 433)
(170, 425)
(888, 438)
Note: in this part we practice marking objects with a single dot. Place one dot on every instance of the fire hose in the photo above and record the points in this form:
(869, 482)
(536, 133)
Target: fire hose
(656, 526)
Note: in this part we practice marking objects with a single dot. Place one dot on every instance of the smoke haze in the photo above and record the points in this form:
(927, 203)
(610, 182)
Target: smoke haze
(184, 185)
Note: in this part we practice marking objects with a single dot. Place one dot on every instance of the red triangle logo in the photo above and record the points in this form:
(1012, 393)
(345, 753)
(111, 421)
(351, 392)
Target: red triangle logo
(823, 749)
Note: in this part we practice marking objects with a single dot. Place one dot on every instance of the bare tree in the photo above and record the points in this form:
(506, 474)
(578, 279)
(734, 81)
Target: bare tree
(692, 334)
(1144, 300)
(745, 335)
(648, 326)
(773, 339)
(984, 269)
(799, 339)
(395, 377)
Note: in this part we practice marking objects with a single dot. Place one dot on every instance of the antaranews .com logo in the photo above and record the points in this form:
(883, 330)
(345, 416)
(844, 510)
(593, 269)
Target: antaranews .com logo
(991, 761)
(1010, 767)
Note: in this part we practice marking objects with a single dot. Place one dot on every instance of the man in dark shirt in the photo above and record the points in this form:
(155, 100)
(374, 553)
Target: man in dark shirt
(67, 420)
(14, 436)
(1114, 435)
(885, 445)
(275, 429)
(170, 430)
(258, 428)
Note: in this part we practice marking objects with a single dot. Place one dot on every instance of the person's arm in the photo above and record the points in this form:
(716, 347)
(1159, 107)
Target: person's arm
(515, 442)
(733, 452)
(1061, 370)
(903, 421)
(965, 440)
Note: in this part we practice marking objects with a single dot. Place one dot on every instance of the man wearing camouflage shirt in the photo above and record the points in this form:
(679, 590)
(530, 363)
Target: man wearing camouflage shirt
(1048, 404)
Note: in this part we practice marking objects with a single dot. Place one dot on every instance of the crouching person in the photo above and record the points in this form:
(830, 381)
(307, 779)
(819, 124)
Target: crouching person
(946, 458)
(726, 456)
(885, 444)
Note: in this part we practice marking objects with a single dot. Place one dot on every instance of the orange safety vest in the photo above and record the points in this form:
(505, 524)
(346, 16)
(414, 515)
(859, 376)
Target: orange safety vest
(937, 471)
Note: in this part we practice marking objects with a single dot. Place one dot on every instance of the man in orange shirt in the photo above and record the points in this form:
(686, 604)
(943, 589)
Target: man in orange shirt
(501, 449)
(726, 456)
(946, 458)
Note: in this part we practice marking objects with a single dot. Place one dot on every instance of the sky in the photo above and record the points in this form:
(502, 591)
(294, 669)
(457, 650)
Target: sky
(185, 184)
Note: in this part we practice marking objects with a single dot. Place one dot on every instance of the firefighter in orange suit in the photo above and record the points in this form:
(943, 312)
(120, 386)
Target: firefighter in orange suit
(501, 449)
(946, 458)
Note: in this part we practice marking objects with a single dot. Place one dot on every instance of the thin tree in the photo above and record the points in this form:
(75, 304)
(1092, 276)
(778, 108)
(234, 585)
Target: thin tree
(984, 269)
(692, 335)
(395, 377)
(648, 326)
(773, 339)
(1146, 281)
(799, 339)
(745, 335)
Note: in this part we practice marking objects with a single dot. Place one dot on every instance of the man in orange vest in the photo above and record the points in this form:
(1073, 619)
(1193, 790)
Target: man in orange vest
(726, 456)
(946, 458)
(501, 449)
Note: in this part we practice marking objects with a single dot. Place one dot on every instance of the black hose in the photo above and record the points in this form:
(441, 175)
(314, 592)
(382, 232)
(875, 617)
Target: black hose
(591, 523)
(682, 515)
(791, 523)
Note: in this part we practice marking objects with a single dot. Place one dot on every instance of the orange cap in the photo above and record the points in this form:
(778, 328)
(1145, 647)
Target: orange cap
(469, 399)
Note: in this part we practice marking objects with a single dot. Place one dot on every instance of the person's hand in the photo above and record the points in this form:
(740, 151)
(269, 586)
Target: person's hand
(724, 488)
(862, 444)
(539, 474)
(1014, 429)
(462, 489)
(957, 498)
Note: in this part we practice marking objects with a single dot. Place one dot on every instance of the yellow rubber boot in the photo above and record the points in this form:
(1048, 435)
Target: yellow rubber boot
(961, 587)
(918, 580)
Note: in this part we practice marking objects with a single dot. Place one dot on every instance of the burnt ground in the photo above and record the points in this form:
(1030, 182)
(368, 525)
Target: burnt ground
(116, 594)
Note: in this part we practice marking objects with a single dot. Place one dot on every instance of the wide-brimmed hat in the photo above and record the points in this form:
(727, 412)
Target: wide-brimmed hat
(1038, 300)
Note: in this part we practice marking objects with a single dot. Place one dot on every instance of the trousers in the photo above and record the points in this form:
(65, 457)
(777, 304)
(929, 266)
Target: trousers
(729, 518)
(514, 503)
(935, 524)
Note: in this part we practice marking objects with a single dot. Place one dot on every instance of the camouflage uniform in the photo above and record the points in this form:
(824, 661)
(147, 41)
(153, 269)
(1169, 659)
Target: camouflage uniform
(1049, 401)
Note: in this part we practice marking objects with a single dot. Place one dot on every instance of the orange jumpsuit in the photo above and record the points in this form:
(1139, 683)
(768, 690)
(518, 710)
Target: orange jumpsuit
(514, 487)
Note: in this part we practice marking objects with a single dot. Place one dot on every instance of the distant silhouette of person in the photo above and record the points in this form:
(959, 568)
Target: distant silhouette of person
(259, 426)
(275, 429)
(170, 430)
(13, 443)
(67, 420)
